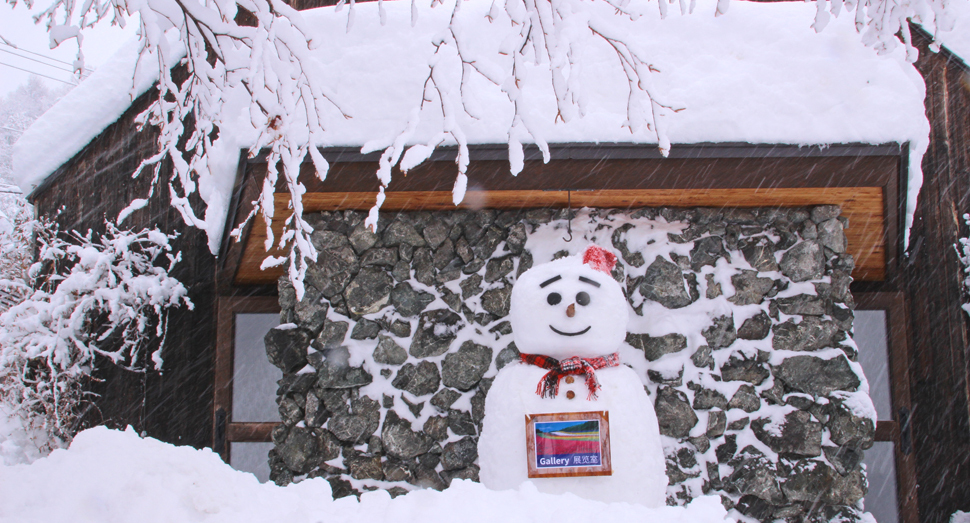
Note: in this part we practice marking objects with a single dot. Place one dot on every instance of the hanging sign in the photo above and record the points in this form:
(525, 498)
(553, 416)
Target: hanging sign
(568, 444)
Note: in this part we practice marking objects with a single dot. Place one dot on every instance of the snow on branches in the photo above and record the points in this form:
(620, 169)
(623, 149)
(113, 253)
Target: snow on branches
(93, 297)
(267, 57)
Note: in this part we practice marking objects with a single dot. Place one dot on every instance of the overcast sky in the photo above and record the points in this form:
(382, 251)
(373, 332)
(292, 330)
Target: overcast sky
(35, 55)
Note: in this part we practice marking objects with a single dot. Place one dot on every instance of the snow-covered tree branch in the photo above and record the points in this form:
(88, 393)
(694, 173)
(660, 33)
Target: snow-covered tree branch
(93, 297)
(291, 102)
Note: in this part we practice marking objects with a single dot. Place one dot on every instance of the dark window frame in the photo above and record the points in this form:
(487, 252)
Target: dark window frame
(898, 430)
(226, 431)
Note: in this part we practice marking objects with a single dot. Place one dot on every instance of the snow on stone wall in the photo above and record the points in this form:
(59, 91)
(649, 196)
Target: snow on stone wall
(740, 333)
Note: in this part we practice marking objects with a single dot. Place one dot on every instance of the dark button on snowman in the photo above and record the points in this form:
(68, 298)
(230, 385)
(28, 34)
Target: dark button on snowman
(568, 318)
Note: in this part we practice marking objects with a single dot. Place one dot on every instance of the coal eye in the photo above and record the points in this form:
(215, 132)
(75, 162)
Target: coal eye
(582, 298)
(554, 298)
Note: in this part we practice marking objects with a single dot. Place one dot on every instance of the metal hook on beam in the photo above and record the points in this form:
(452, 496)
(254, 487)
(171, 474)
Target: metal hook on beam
(569, 216)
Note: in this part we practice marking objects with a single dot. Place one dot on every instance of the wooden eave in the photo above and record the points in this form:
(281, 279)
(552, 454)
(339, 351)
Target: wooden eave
(867, 181)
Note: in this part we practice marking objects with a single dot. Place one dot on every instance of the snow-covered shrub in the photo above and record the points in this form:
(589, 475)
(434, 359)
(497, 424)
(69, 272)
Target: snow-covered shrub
(963, 252)
(92, 297)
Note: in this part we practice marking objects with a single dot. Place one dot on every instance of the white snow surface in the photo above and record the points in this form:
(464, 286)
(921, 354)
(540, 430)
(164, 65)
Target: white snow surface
(109, 475)
(757, 74)
(954, 32)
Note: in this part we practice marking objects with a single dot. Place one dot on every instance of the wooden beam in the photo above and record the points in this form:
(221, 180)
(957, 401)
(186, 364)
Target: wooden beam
(863, 206)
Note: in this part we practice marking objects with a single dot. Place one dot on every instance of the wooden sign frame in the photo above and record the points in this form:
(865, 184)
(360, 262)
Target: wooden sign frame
(604, 468)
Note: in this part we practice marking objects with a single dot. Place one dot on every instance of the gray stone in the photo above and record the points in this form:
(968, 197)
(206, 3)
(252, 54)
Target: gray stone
(336, 263)
(506, 356)
(311, 311)
(760, 254)
(485, 247)
(515, 241)
(707, 251)
(725, 451)
(369, 291)
(463, 250)
(498, 268)
(633, 258)
(473, 266)
(708, 399)
(400, 328)
(821, 213)
(738, 424)
(843, 459)
(389, 353)
(808, 230)
(459, 454)
(749, 289)
(423, 266)
(701, 443)
(365, 329)
(463, 369)
(286, 348)
(460, 422)
(664, 284)
(435, 233)
(444, 257)
(315, 413)
(674, 378)
(832, 236)
(365, 467)
(847, 490)
(746, 399)
(362, 238)
(722, 333)
(357, 424)
(847, 429)
(756, 327)
(415, 408)
(437, 427)
(428, 478)
(444, 399)
(654, 347)
(419, 380)
(497, 301)
(395, 470)
(470, 473)
(744, 369)
(807, 479)
(400, 441)
(703, 357)
(400, 232)
(817, 376)
(804, 304)
(713, 289)
(436, 330)
(301, 451)
(381, 257)
(755, 476)
(716, 423)
(805, 261)
(401, 271)
(809, 335)
(674, 413)
(332, 335)
(409, 302)
(799, 434)
(290, 411)
(471, 286)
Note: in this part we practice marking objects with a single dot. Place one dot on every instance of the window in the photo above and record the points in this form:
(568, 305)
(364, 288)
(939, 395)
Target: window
(880, 333)
(245, 406)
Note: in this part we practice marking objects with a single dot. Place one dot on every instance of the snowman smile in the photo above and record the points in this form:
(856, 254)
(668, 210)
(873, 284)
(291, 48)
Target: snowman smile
(561, 333)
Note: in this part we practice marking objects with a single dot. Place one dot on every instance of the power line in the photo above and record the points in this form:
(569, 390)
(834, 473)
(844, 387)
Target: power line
(38, 74)
(36, 60)
(37, 54)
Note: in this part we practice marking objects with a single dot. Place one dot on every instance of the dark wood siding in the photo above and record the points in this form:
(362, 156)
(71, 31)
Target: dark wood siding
(94, 186)
(941, 400)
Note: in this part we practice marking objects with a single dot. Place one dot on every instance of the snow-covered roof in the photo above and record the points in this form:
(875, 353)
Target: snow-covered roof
(954, 32)
(758, 74)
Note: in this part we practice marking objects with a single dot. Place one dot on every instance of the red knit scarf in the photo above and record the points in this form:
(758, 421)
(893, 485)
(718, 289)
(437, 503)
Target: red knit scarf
(549, 384)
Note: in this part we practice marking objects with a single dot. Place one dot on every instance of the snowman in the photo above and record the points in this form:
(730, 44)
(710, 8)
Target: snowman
(568, 318)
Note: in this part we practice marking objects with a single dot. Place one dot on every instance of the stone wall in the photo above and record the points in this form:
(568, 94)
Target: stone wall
(740, 334)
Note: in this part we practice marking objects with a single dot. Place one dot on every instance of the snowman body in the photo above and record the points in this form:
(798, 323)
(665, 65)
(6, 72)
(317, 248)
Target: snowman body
(564, 309)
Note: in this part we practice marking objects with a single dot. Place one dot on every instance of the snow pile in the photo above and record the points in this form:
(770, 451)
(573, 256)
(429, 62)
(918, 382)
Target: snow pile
(757, 74)
(954, 33)
(116, 476)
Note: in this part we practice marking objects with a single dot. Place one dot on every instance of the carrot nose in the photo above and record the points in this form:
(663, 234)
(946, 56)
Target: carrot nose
(571, 310)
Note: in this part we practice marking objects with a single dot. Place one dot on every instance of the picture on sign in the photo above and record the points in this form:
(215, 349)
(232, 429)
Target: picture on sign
(568, 444)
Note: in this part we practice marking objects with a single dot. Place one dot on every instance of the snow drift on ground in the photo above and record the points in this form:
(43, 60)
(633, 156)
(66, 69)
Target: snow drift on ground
(758, 74)
(116, 476)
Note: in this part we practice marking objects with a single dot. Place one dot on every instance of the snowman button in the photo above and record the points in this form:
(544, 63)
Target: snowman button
(570, 379)
(570, 394)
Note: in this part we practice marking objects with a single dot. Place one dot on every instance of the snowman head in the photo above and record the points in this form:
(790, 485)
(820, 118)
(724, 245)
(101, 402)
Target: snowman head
(569, 307)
